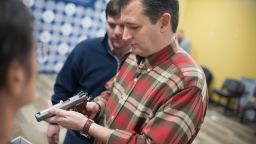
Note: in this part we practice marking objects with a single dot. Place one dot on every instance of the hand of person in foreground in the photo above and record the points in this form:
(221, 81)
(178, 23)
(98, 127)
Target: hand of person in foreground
(53, 130)
(53, 133)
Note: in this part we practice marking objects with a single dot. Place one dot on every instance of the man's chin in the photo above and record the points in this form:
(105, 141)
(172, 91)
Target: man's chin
(117, 45)
(136, 52)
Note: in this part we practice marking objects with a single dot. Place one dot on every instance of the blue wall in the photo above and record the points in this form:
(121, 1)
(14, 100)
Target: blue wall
(61, 24)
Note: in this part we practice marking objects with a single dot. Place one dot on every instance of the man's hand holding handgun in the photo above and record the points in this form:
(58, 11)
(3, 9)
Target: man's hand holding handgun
(60, 114)
(74, 119)
(77, 102)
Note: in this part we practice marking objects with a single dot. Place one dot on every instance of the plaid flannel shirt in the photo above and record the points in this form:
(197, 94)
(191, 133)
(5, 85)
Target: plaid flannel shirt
(162, 100)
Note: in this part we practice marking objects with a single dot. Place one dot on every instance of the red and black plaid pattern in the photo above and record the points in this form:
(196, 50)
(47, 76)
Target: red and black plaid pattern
(161, 100)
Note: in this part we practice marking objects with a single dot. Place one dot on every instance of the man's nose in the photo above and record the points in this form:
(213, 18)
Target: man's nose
(118, 30)
(126, 35)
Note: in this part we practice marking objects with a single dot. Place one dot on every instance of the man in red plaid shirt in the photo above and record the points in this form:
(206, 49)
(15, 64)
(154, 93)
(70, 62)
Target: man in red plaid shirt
(160, 93)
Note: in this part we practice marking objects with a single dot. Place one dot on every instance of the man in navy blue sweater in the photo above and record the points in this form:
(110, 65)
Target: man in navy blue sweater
(90, 65)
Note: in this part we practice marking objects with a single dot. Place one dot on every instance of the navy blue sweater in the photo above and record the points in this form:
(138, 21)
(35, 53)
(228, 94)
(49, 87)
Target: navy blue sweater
(89, 66)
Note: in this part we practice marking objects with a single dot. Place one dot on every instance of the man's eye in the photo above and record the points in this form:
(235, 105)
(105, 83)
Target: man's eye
(112, 25)
(134, 27)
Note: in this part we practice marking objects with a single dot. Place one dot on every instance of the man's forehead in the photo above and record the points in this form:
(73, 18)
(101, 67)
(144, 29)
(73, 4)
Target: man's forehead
(130, 12)
(114, 19)
(134, 5)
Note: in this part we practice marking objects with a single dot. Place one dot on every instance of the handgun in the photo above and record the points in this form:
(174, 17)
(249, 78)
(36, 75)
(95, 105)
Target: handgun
(77, 103)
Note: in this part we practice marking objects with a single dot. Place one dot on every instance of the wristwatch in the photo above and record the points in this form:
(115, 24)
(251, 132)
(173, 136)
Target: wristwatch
(85, 130)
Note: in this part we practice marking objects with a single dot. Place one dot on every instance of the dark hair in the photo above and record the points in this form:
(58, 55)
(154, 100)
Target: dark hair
(113, 9)
(155, 8)
(16, 36)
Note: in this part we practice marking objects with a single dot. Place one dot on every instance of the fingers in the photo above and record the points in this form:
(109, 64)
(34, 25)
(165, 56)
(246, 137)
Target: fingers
(92, 116)
(91, 106)
(58, 112)
(53, 140)
(59, 115)
(50, 120)
(53, 134)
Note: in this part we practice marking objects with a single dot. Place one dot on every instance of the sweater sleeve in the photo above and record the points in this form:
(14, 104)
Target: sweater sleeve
(67, 80)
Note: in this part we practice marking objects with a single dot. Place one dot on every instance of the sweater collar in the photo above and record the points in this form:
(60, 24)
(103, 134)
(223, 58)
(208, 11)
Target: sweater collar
(109, 47)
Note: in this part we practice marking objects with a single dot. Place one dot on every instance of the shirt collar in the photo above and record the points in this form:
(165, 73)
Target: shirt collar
(161, 56)
(110, 45)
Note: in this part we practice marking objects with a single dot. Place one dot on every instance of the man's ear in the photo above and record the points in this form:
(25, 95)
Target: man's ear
(15, 79)
(165, 21)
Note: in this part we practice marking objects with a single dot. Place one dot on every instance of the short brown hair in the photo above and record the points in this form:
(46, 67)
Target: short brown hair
(113, 9)
(155, 8)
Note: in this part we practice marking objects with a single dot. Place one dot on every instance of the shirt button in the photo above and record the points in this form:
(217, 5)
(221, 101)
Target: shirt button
(112, 117)
(136, 79)
(148, 70)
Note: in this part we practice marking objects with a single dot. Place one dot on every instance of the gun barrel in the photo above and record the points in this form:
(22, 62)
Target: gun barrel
(66, 105)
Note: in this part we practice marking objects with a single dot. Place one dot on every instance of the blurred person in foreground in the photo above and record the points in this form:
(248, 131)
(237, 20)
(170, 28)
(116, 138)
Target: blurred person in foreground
(17, 62)
(160, 93)
(90, 65)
